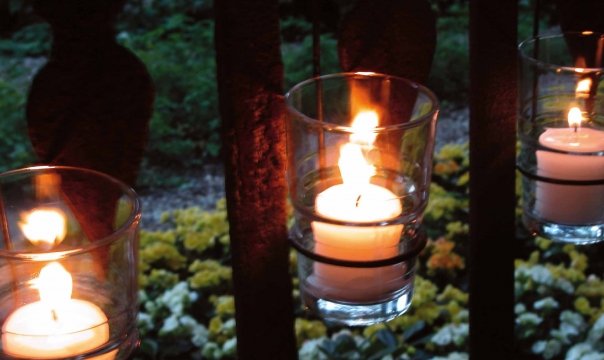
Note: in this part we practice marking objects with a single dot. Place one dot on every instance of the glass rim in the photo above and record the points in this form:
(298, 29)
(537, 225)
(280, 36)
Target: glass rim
(348, 129)
(522, 47)
(133, 217)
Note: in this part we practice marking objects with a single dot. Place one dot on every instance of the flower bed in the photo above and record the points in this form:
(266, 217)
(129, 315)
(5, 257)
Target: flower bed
(187, 307)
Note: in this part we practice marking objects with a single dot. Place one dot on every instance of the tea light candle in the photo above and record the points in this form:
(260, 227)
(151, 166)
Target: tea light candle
(571, 204)
(358, 202)
(57, 326)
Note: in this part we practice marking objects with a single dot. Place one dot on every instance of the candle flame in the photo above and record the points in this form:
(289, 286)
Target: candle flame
(55, 285)
(44, 226)
(353, 164)
(575, 117)
(363, 127)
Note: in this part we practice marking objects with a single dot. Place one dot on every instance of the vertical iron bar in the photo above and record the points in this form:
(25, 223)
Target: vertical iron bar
(536, 17)
(316, 38)
(4, 224)
(316, 70)
(252, 110)
(493, 92)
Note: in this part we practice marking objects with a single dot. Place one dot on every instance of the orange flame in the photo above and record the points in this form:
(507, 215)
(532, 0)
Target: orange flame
(575, 117)
(44, 226)
(353, 164)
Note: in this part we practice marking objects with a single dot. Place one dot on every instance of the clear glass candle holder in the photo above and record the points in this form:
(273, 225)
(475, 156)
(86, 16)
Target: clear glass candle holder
(561, 134)
(68, 258)
(360, 151)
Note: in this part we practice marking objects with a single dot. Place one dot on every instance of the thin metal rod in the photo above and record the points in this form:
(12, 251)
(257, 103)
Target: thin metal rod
(316, 38)
(536, 17)
(493, 96)
(316, 68)
(4, 223)
(9, 245)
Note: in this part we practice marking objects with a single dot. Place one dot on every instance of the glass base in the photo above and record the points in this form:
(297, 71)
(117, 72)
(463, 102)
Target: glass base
(574, 234)
(359, 314)
(119, 349)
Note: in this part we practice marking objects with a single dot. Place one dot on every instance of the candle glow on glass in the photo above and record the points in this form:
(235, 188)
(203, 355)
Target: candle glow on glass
(57, 326)
(44, 227)
(583, 88)
(571, 204)
(356, 200)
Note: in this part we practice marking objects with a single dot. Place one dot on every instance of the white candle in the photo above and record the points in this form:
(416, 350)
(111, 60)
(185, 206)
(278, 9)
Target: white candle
(359, 202)
(571, 204)
(57, 326)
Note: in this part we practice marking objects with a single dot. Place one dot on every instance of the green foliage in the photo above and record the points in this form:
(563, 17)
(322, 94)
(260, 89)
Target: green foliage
(186, 304)
(15, 146)
(147, 15)
(30, 41)
(179, 54)
(449, 76)
(187, 307)
(297, 59)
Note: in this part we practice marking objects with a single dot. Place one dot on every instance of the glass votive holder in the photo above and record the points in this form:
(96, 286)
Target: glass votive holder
(561, 134)
(360, 151)
(68, 258)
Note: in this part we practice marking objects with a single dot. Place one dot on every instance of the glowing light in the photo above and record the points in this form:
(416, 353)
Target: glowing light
(353, 165)
(55, 285)
(575, 117)
(44, 226)
(583, 87)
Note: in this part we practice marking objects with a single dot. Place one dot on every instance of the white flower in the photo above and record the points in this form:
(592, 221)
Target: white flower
(170, 324)
(538, 273)
(538, 347)
(142, 296)
(144, 322)
(452, 333)
(552, 349)
(519, 308)
(547, 303)
(564, 285)
(578, 351)
(572, 318)
(529, 319)
(228, 326)
(597, 331)
(310, 350)
(151, 307)
(211, 351)
(229, 347)
(462, 316)
(177, 298)
(123, 36)
(549, 348)
(453, 356)
(593, 356)
(199, 333)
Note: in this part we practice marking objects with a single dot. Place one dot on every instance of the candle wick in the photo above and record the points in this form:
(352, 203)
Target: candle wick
(358, 200)
(54, 315)
(576, 127)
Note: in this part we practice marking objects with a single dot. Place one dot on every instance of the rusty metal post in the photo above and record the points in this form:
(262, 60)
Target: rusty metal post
(252, 108)
(493, 32)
